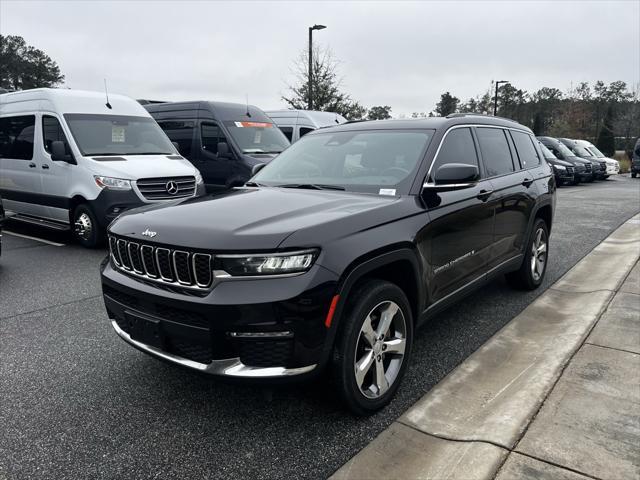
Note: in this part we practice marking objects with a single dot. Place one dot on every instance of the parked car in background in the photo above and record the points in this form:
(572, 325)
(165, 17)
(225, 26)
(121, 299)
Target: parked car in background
(73, 160)
(584, 168)
(564, 172)
(599, 166)
(224, 141)
(1, 223)
(295, 124)
(334, 253)
(635, 160)
(613, 166)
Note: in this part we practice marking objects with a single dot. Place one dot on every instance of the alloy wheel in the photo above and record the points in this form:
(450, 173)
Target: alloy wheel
(83, 226)
(380, 349)
(538, 254)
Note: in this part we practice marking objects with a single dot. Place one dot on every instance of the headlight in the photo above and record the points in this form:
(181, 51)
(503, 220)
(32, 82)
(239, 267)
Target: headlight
(264, 264)
(114, 183)
(561, 168)
(199, 179)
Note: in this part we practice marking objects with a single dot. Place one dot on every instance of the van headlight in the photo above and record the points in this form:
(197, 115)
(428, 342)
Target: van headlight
(113, 183)
(199, 180)
(560, 168)
(264, 264)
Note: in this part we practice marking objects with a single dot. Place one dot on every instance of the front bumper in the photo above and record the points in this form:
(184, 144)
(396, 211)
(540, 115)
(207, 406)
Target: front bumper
(280, 335)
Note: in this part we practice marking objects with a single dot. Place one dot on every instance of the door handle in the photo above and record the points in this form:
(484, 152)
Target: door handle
(484, 195)
(32, 165)
(527, 182)
(45, 166)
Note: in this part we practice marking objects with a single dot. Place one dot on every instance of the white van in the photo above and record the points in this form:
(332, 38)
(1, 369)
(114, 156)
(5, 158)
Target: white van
(72, 159)
(295, 124)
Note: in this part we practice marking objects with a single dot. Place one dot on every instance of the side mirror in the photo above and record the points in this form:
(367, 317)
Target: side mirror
(177, 146)
(59, 152)
(224, 151)
(453, 176)
(257, 168)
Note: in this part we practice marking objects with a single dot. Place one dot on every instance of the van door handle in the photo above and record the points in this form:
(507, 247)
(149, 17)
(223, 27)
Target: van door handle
(32, 165)
(484, 195)
(527, 182)
(45, 166)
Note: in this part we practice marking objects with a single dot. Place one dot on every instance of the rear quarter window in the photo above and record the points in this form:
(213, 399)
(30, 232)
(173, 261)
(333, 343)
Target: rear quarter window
(16, 137)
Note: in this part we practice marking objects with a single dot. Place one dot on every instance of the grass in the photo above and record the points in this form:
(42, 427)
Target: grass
(625, 163)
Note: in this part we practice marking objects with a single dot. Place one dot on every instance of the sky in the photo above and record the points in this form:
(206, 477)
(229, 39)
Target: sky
(398, 53)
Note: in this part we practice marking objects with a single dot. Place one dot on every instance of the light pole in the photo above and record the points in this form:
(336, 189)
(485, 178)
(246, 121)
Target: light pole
(311, 29)
(495, 99)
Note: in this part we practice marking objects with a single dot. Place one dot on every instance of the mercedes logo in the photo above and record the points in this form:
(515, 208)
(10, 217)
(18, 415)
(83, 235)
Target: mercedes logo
(172, 187)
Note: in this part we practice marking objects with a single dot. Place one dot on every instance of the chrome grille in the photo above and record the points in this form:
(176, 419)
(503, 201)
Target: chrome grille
(570, 170)
(588, 167)
(168, 188)
(179, 268)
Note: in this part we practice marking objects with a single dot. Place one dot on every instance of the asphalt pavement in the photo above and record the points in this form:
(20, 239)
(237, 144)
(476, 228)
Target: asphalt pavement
(77, 402)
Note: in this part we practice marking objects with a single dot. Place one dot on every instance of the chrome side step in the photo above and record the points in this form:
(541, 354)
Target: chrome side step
(52, 224)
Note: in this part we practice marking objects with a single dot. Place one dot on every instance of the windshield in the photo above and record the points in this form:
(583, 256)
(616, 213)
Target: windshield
(118, 135)
(581, 151)
(382, 162)
(257, 137)
(547, 153)
(595, 152)
(564, 151)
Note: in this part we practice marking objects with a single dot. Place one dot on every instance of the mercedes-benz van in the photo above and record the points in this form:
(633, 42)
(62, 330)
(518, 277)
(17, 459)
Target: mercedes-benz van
(295, 124)
(224, 141)
(74, 160)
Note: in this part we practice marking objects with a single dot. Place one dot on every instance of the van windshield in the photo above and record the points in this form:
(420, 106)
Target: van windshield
(257, 137)
(595, 152)
(381, 162)
(106, 135)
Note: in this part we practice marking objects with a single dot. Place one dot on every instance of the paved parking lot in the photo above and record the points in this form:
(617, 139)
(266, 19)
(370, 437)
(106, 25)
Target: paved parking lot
(76, 402)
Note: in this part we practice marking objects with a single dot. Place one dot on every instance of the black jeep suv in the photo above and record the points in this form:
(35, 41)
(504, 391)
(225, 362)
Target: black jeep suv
(334, 252)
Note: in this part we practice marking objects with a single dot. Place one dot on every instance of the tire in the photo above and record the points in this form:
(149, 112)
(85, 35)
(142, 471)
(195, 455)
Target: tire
(531, 272)
(369, 303)
(575, 181)
(633, 175)
(86, 229)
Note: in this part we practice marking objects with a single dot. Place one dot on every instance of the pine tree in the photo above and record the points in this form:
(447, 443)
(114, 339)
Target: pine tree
(606, 142)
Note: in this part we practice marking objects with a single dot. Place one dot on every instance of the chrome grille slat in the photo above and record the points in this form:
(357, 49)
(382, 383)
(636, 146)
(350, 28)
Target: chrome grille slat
(155, 188)
(179, 268)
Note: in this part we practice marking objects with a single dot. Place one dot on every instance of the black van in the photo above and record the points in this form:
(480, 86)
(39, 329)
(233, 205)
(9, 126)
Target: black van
(223, 140)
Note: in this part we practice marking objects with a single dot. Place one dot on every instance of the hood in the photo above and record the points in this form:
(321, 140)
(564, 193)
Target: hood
(557, 161)
(134, 167)
(258, 219)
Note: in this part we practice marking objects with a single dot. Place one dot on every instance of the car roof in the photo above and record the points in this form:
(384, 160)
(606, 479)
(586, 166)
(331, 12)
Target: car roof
(221, 110)
(317, 118)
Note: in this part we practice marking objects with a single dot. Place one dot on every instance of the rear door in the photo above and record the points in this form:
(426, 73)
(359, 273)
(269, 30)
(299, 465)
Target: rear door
(459, 237)
(20, 179)
(513, 195)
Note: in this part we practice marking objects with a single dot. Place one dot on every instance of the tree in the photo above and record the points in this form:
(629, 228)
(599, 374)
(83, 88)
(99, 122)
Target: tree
(447, 104)
(379, 113)
(327, 86)
(606, 140)
(23, 66)
(538, 124)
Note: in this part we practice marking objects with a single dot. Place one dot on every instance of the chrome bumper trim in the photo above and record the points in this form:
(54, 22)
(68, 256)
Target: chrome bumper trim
(230, 367)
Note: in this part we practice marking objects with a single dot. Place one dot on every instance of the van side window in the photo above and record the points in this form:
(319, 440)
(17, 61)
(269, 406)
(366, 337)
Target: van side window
(458, 147)
(288, 132)
(496, 154)
(305, 130)
(211, 136)
(16, 137)
(526, 149)
(181, 132)
(51, 132)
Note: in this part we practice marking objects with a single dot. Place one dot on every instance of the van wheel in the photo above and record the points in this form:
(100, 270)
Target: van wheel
(534, 266)
(85, 227)
(373, 346)
(633, 175)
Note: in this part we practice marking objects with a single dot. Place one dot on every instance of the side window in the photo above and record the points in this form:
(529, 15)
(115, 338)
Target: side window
(211, 136)
(288, 132)
(51, 132)
(305, 130)
(526, 149)
(16, 137)
(458, 147)
(496, 155)
(181, 132)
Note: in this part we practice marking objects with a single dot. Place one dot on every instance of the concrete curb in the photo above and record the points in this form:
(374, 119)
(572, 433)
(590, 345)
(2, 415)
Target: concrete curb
(468, 423)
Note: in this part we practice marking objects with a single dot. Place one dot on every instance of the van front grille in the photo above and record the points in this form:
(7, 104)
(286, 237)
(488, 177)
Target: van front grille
(179, 268)
(168, 188)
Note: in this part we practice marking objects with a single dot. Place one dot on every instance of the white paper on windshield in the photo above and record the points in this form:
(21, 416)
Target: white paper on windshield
(258, 136)
(387, 191)
(117, 134)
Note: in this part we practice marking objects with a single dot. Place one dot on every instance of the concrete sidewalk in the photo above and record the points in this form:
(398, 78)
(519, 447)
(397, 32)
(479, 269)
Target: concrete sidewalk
(554, 394)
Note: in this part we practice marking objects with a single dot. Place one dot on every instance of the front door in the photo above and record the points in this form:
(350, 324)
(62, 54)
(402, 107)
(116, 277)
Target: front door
(459, 236)
(56, 176)
(214, 169)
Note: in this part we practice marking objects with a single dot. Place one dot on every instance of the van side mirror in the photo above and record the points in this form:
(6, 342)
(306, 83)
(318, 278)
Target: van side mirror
(453, 176)
(224, 151)
(256, 168)
(59, 152)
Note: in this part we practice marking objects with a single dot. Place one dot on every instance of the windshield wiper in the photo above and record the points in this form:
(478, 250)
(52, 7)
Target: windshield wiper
(312, 186)
(253, 184)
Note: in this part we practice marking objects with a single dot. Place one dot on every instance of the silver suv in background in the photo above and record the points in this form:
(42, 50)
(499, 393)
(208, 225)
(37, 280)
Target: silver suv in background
(295, 124)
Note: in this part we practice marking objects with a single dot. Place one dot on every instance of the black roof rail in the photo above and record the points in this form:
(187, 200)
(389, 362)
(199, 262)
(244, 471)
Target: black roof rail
(472, 114)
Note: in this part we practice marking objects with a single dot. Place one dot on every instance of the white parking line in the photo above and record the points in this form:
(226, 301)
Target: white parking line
(48, 242)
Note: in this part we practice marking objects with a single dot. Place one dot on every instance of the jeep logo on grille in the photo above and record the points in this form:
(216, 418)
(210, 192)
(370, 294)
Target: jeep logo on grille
(172, 187)
(149, 233)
